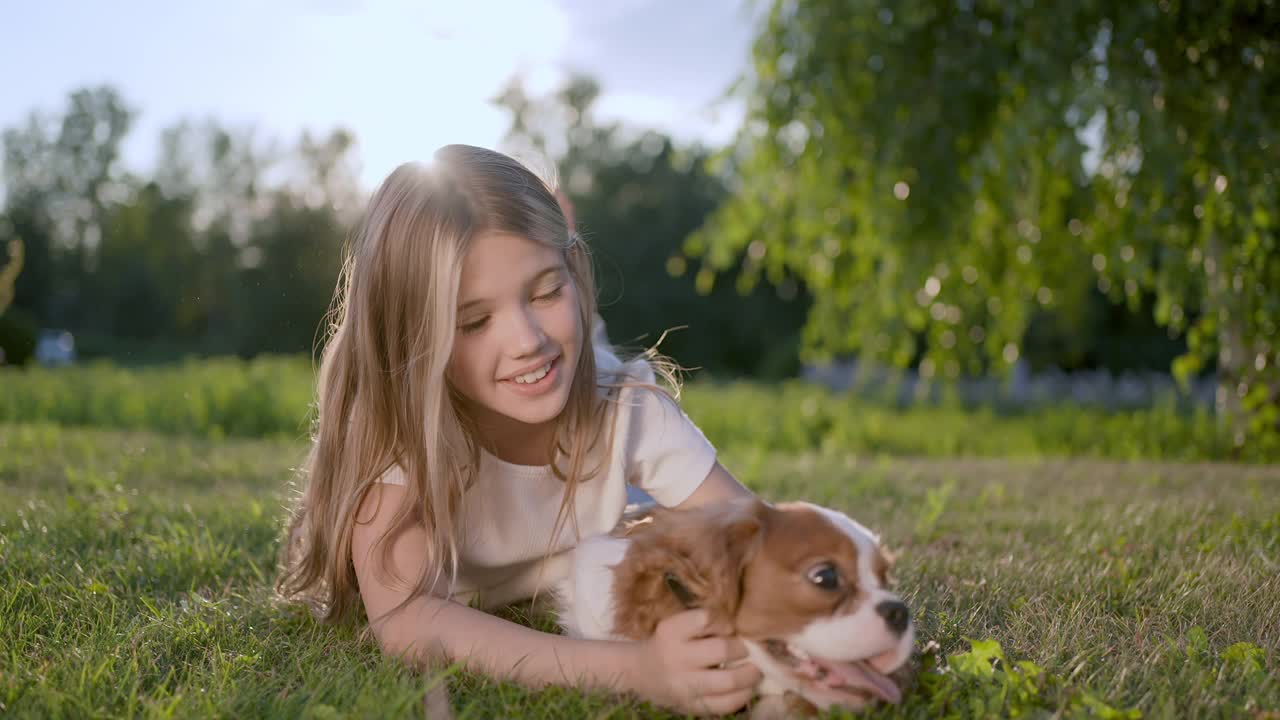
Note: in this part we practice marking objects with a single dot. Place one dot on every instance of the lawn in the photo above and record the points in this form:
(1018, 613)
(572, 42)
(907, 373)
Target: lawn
(271, 396)
(135, 572)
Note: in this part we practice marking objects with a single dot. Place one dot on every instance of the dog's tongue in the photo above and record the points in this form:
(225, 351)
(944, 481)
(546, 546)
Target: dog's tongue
(864, 677)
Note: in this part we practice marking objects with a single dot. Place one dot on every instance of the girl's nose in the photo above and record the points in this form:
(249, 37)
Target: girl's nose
(528, 336)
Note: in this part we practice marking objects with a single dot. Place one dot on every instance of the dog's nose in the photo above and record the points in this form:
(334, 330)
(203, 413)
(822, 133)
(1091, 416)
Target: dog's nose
(895, 615)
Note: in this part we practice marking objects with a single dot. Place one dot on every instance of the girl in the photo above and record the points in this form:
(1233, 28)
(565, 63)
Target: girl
(473, 424)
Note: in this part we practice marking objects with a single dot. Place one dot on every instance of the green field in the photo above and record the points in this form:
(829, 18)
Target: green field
(136, 565)
(271, 396)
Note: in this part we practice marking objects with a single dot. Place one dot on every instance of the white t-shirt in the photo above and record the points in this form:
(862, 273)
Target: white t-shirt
(511, 510)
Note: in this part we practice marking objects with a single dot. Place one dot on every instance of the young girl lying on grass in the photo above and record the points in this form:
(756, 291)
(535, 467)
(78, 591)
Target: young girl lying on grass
(473, 425)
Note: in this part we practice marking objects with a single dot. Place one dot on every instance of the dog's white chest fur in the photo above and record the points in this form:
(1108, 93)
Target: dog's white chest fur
(584, 598)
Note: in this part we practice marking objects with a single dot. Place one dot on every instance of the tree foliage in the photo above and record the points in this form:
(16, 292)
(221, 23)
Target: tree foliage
(205, 256)
(231, 244)
(937, 172)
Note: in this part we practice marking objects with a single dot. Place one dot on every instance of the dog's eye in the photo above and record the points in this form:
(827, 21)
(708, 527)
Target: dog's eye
(825, 576)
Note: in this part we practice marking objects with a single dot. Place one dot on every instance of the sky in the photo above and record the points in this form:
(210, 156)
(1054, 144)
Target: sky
(406, 76)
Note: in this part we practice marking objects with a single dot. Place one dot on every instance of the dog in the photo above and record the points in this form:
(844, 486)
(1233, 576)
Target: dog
(805, 587)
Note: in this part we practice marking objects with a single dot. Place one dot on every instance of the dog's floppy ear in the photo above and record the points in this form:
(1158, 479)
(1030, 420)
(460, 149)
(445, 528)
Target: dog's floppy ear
(688, 558)
(740, 534)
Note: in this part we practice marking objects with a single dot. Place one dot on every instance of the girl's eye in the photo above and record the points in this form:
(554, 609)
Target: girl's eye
(473, 327)
(551, 295)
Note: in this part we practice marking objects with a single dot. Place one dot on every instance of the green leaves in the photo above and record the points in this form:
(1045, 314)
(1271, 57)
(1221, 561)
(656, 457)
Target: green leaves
(1246, 657)
(984, 683)
(1060, 150)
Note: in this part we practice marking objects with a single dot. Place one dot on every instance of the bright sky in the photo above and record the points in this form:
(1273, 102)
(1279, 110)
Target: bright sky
(406, 76)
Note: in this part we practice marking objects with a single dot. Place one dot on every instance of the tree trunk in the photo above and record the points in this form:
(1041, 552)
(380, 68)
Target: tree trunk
(9, 273)
(1231, 347)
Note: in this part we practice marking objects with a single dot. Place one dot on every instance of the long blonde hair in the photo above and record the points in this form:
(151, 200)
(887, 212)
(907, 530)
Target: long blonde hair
(382, 395)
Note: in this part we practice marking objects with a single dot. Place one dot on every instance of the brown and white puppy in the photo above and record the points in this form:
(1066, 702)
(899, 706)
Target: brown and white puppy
(804, 586)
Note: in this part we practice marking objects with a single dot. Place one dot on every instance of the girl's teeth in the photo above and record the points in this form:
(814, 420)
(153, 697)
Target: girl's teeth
(534, 376)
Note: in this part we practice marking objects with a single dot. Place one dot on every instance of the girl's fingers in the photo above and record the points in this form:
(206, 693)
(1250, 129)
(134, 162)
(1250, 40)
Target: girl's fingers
(716, 651)
(721, 682)
(686, 624)
(727, 703)
(746, 675)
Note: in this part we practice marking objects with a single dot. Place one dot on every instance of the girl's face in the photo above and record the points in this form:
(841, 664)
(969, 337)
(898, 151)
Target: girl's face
(518, 333)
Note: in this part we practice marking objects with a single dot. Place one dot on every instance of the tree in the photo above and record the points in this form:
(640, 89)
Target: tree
(17, 332)
(9, 273)
(297, 247)
(203, 258)
(141, 288)
(938, 171)
(60, 177)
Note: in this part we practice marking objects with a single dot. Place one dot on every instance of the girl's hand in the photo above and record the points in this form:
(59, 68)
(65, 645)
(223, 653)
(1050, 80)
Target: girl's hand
(678, 668)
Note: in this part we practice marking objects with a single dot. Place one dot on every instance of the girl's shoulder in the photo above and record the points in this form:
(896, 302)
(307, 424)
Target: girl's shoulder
(637, 390)
(657, 446)
(612, 368)
(624, 376)
(394, 475)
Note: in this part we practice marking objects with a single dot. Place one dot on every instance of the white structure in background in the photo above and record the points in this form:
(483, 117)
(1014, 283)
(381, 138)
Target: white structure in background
(1023, 389)
(55, 348)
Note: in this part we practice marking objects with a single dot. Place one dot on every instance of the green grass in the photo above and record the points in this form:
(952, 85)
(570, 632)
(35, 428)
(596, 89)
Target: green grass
(272, 396)
(269, 396)
(135, 571)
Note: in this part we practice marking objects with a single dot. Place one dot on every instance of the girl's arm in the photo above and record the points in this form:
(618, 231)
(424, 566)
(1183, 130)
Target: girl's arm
(719, 486)
(670, 669)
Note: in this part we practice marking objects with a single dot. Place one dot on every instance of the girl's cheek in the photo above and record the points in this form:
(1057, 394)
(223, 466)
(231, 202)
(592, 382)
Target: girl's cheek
(571, 319)
(457, 358)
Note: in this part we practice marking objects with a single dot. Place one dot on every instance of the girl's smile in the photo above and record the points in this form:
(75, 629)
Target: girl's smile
(539, 380)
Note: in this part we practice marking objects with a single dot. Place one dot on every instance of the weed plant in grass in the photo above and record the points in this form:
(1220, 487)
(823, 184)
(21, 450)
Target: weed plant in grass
(135, 573)
(272, 396)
